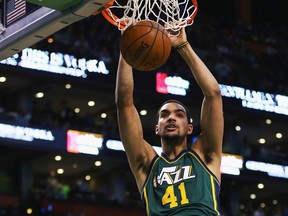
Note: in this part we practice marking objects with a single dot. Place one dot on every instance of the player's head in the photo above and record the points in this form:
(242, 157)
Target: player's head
(173, 121)
(189, 119)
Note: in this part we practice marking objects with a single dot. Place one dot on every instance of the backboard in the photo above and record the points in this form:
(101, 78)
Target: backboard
(40, 20)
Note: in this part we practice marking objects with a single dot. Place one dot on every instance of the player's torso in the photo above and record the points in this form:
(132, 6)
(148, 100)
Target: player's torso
(181, 187)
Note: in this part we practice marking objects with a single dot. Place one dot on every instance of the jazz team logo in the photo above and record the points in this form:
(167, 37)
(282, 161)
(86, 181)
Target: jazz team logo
(174, 174)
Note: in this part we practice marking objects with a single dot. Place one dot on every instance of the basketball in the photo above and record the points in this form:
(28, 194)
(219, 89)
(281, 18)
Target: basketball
(145, 45)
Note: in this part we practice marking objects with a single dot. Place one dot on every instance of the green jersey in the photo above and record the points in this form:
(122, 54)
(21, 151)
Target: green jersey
(181, 187)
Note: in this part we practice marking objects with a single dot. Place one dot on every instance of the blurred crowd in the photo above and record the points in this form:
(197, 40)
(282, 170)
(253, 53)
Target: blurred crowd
(252, 56)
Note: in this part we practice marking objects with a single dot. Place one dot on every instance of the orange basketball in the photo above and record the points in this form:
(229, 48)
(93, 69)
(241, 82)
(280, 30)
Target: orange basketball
(145, 45)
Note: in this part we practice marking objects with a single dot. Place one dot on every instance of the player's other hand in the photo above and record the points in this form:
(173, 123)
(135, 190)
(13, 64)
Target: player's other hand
(177, 38)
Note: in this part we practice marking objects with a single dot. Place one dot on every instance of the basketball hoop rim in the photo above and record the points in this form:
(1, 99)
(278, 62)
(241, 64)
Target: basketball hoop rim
(110, 17)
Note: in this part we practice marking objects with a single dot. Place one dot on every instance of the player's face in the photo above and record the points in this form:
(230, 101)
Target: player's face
(172, 122)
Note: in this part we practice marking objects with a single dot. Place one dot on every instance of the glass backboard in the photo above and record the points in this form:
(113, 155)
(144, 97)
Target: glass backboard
(38, 22)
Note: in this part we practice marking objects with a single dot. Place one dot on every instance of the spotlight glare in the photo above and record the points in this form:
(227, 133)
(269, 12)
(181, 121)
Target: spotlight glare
(58, 158)
(238, 128)
(261, 141)
(2, 79)
(268, 121)
(60, 171)
(278, 135)
(91, 103)
(98, 163)
(143, 112)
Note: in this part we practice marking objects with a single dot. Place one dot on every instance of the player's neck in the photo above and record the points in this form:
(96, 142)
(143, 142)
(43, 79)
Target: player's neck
(173, 150)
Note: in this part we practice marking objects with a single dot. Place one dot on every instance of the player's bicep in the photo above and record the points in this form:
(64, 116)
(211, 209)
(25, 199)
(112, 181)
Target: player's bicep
(212, 123)
(131, 134)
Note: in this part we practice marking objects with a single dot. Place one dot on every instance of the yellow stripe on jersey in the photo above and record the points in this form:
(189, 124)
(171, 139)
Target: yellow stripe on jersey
(213, 193)
(146, 201)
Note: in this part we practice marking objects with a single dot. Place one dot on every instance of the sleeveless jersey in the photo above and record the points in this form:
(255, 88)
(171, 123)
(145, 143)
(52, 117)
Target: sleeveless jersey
(181, 187)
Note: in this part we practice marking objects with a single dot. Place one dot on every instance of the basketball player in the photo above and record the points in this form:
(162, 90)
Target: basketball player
(180, 182)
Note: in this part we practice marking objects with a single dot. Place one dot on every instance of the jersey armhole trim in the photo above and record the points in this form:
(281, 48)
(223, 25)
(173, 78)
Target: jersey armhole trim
(153, 162)
(204, 165)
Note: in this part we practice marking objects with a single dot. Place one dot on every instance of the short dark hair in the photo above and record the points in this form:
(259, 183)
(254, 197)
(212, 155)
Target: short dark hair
(189, 119)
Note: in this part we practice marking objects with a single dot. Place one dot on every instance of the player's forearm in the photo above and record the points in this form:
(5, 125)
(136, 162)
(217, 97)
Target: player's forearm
(201, 73)
(124, 84)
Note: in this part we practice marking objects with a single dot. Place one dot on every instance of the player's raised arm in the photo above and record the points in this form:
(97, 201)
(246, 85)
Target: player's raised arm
(138, 151)
(209, 144)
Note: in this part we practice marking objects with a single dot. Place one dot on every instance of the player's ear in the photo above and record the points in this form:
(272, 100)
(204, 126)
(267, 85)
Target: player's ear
(156, 130)
(190, 129)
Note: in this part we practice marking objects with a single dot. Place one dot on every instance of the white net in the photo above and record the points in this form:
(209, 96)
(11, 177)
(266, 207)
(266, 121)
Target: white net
(171, 14)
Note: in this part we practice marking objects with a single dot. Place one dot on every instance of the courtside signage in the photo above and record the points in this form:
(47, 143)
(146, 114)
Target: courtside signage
(84, 142)
(171, 84)
(257, 100)
(25, 136)
(274, 170)
(59, 63)
(25, 133)
(231, 164)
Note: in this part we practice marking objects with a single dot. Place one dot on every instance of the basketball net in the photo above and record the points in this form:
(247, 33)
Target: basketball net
(171, 14)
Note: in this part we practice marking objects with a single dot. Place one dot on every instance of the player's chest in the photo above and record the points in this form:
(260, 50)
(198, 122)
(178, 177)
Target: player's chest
(174, 173)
